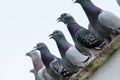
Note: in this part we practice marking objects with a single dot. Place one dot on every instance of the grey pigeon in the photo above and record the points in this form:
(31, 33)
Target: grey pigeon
(53, 64)
(72, 58)
(37, 63)
(80, 35)
(103, 24)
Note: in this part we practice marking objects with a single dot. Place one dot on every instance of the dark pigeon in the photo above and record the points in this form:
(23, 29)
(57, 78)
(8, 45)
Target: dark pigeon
(53, 64)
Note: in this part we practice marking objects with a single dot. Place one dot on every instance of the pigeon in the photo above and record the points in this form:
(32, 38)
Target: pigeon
(53, 64)
(118, 1)
(72, 58)
(37, 63)
(80, 35)
(102, 23)
(39, 70)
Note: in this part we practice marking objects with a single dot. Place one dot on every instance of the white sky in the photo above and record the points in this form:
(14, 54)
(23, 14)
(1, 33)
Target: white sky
(23, 23)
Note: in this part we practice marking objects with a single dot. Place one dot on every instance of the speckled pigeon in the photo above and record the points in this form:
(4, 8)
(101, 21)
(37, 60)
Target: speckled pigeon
(72, 58)
(80, 35)
(53, 64)
(37, 63)
(102, 23)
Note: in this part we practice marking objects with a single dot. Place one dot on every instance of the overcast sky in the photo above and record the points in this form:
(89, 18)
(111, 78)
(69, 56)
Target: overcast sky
(24, 23)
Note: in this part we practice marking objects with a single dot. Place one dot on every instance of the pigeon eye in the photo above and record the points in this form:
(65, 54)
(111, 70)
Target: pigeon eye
(56, 32)
(64, 14)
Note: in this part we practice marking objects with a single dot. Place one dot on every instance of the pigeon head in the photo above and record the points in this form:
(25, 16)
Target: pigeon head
(46, 56)
(57, 35)
(43, 49)
(32, 53)
(61, 41)
(40, 46)
(65, 18)
(36, 59)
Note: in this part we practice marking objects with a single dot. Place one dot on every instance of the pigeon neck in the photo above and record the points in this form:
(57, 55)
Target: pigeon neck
(63, 46)
(71, 20)
(73, 27)
(91, 10)
(38, 64)
(46, 56)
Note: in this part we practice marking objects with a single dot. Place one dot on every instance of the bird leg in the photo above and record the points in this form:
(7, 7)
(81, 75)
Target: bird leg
(71, 78)
(98, 53)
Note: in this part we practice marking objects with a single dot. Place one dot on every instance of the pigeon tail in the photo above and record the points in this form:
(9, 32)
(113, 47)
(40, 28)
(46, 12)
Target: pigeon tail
(101, 45)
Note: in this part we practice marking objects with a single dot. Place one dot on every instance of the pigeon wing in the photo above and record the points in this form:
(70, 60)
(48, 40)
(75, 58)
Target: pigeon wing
(109, 19)
(87, 39)
(58, 68)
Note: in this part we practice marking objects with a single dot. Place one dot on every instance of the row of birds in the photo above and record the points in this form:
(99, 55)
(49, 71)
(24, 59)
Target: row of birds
(103, 27)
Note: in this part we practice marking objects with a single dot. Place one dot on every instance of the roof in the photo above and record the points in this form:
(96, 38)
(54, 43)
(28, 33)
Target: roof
(100, 60)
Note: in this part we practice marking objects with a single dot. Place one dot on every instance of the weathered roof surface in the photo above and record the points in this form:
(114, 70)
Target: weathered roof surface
(96, 63)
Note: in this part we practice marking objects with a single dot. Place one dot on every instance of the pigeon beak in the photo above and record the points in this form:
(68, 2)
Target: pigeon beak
(27, 54)
(75, 1)
(51, 36)
(31, 71)
(59, 19)
(35, 48)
